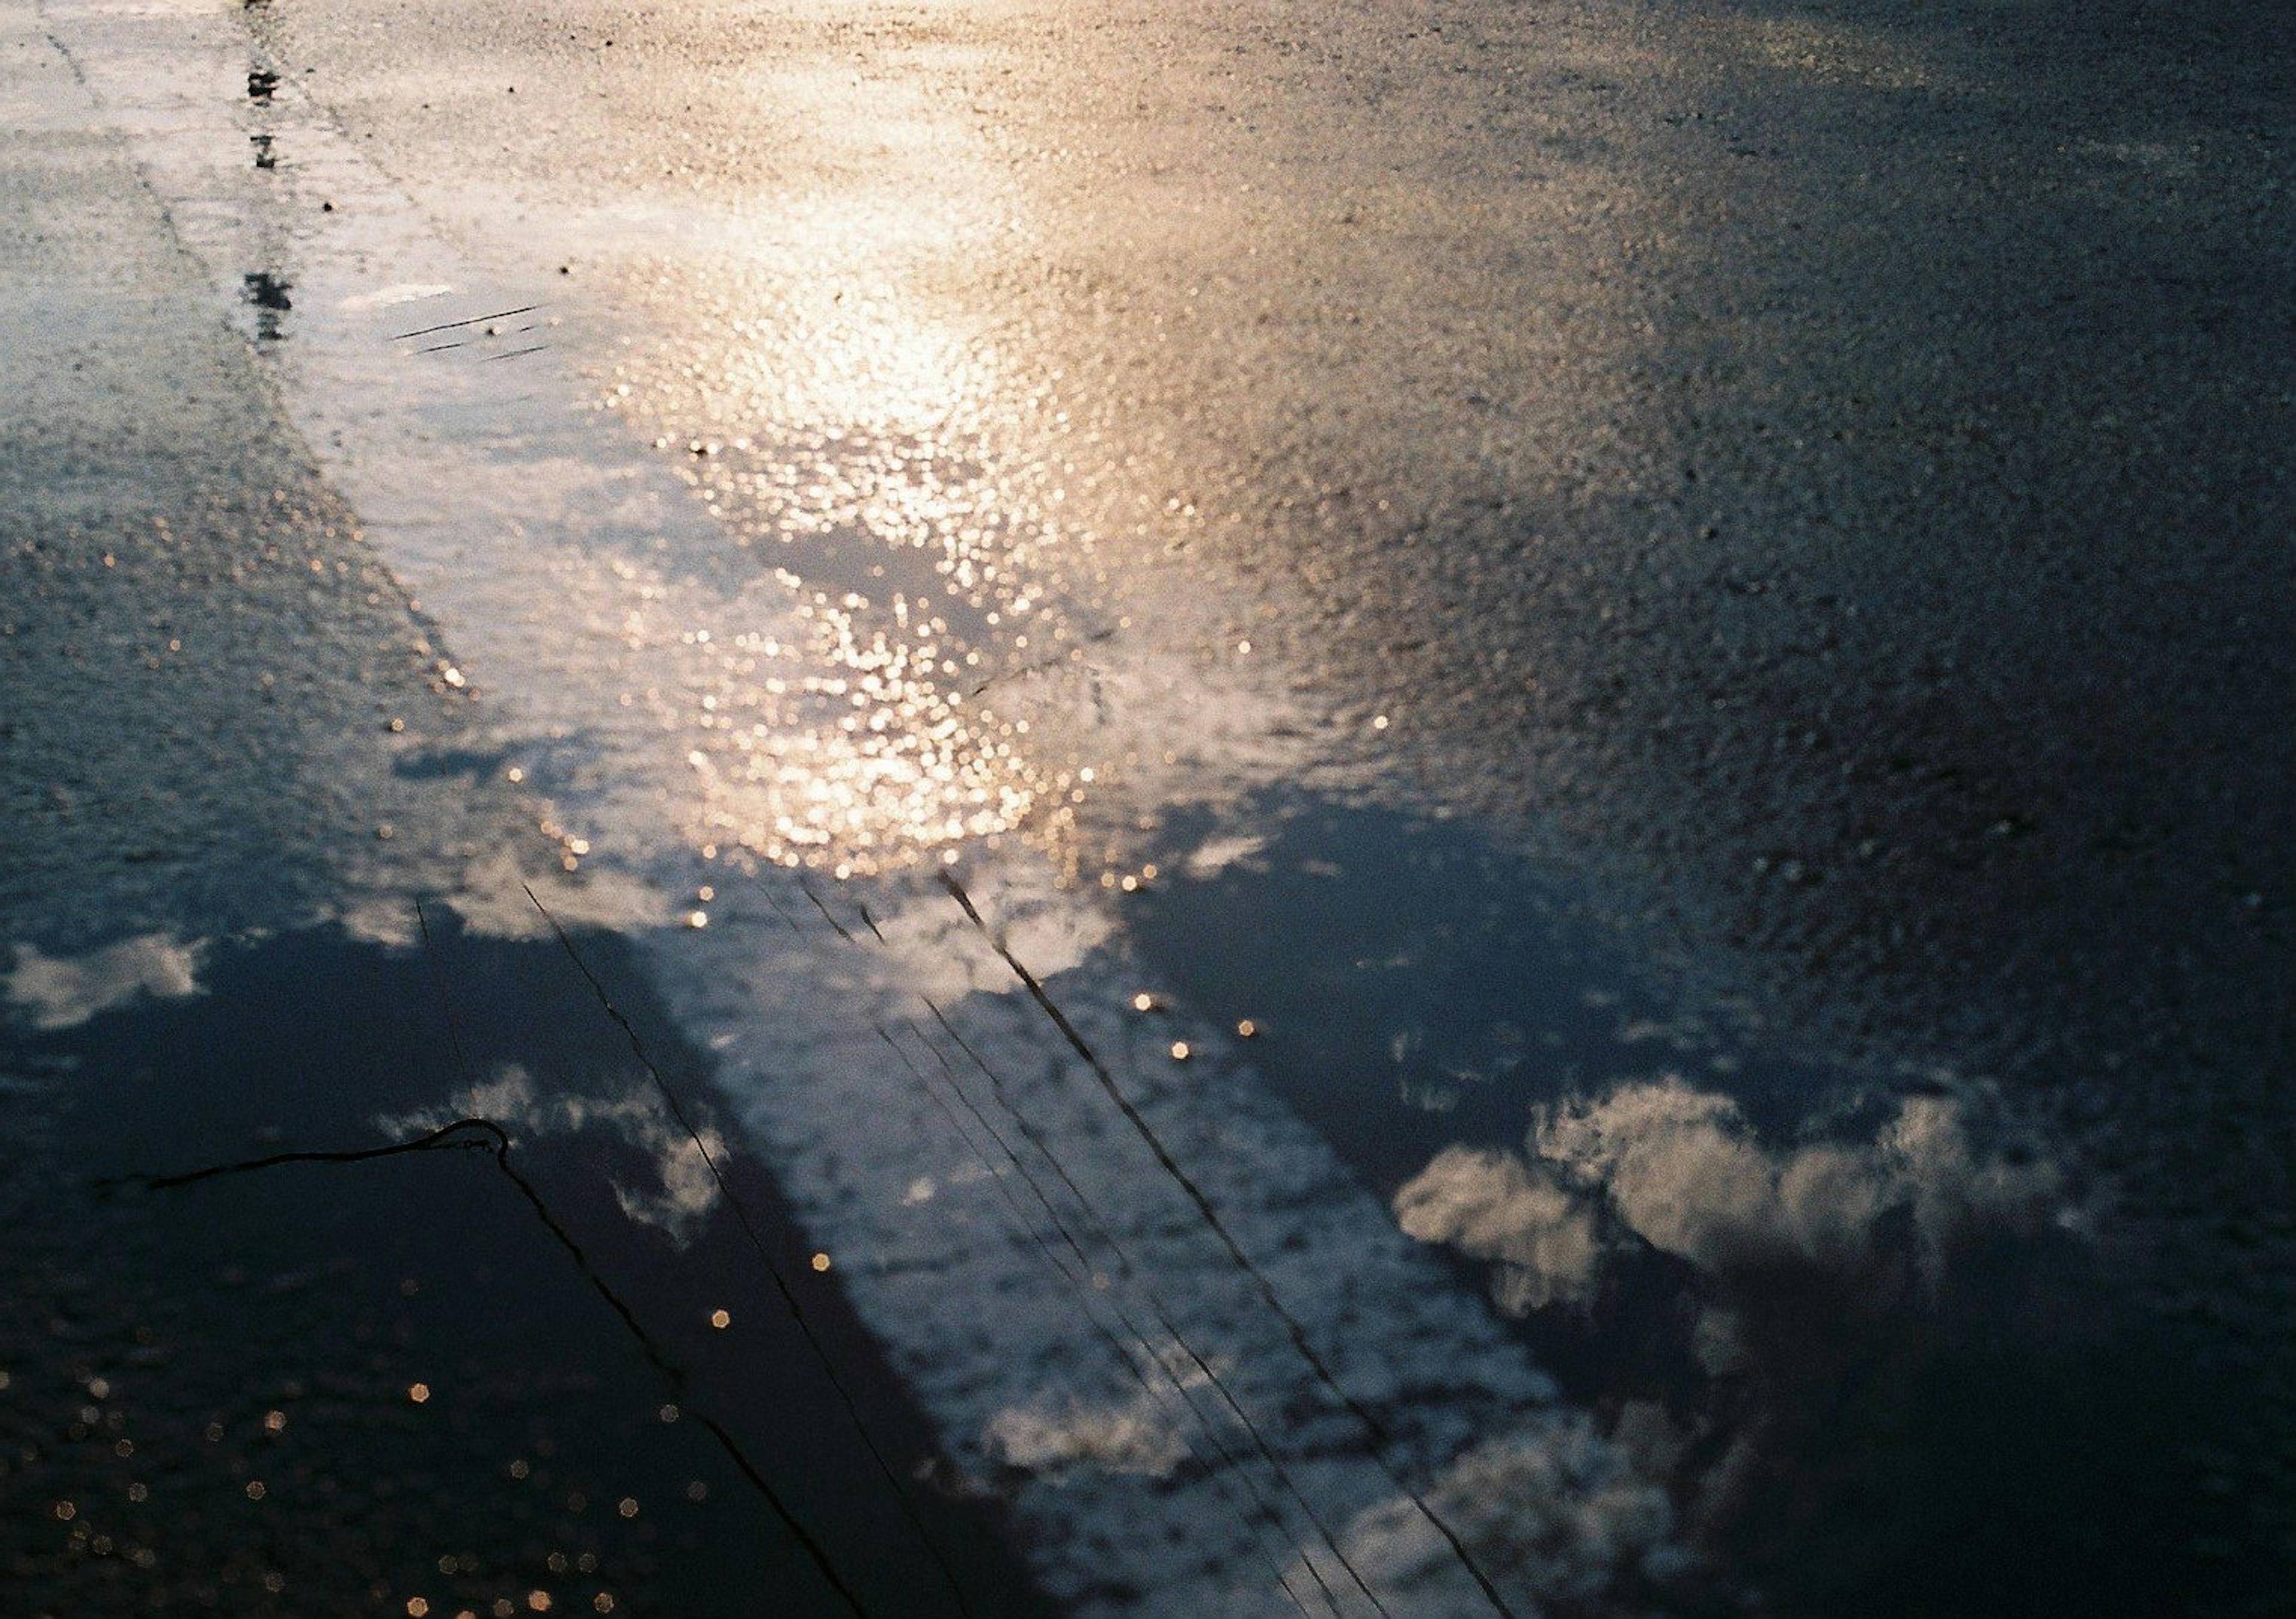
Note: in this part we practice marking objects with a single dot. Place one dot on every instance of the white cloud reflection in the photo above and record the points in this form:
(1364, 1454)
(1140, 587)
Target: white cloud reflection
(1554, 1514)
(684, 1190)
(63, 991)
(1682, 1171)
(1130, 1437)
(1493, 1206)
(490, 894)
(926, 946)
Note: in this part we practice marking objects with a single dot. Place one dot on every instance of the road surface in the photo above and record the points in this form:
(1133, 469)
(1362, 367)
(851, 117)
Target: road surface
(1239, 809)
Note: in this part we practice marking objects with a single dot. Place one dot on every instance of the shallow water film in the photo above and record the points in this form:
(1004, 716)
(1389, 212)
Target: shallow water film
(1016, 808)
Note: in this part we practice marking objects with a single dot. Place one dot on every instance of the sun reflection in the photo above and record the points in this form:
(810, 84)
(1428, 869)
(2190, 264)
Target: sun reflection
(868, 759)
(832, 709)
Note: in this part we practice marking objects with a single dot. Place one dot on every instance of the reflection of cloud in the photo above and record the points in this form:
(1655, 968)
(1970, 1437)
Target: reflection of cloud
(1682, 1170)
(1491, 1205)
(64, 991)
(489, 895)
(491, 901)
(1907, 1232)
(1953, 1190)
(1123, 1438)
(687, 1190)
(929, 948)
(1719, 1341)
(1556, 1514)
(398, 292)
(1215, 855)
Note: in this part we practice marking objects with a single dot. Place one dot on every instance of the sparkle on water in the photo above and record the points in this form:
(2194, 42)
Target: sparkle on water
(844, 715)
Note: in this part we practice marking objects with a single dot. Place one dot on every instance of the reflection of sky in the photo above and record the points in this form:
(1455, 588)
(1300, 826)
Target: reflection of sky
(896, 638)
(889, 548)
(1770, 1263)
(1137, 1436)
(1737, 1294)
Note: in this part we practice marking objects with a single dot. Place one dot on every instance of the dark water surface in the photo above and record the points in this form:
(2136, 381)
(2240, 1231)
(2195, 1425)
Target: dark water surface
(1994, 1414)
(208, 1405)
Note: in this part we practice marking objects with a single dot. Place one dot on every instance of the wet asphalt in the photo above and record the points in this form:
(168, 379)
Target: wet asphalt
(1828, 460)
(1809, 486)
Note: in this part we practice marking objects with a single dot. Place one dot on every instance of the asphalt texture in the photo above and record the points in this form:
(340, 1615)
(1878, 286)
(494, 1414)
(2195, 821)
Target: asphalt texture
(1805, 487)
(1834, 457)
(209, 1393)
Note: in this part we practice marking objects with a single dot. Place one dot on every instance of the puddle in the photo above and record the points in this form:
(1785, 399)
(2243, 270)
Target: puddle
(331, 1386)
(1411, 985)
(1878, 1333)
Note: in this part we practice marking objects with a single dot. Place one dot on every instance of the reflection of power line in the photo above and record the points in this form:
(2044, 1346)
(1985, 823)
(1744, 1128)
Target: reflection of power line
(1103, 1234)
(781, 1283)
(1107, 1237)
(1373, 1428)
(484, 1135)
(476, 320)
(1081, 1282)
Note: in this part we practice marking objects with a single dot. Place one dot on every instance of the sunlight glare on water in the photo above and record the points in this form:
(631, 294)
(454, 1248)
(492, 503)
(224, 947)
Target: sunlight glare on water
(861, 473)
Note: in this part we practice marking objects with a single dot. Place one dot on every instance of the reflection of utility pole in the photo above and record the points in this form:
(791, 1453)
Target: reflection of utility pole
(268, 293)
(267, 289)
